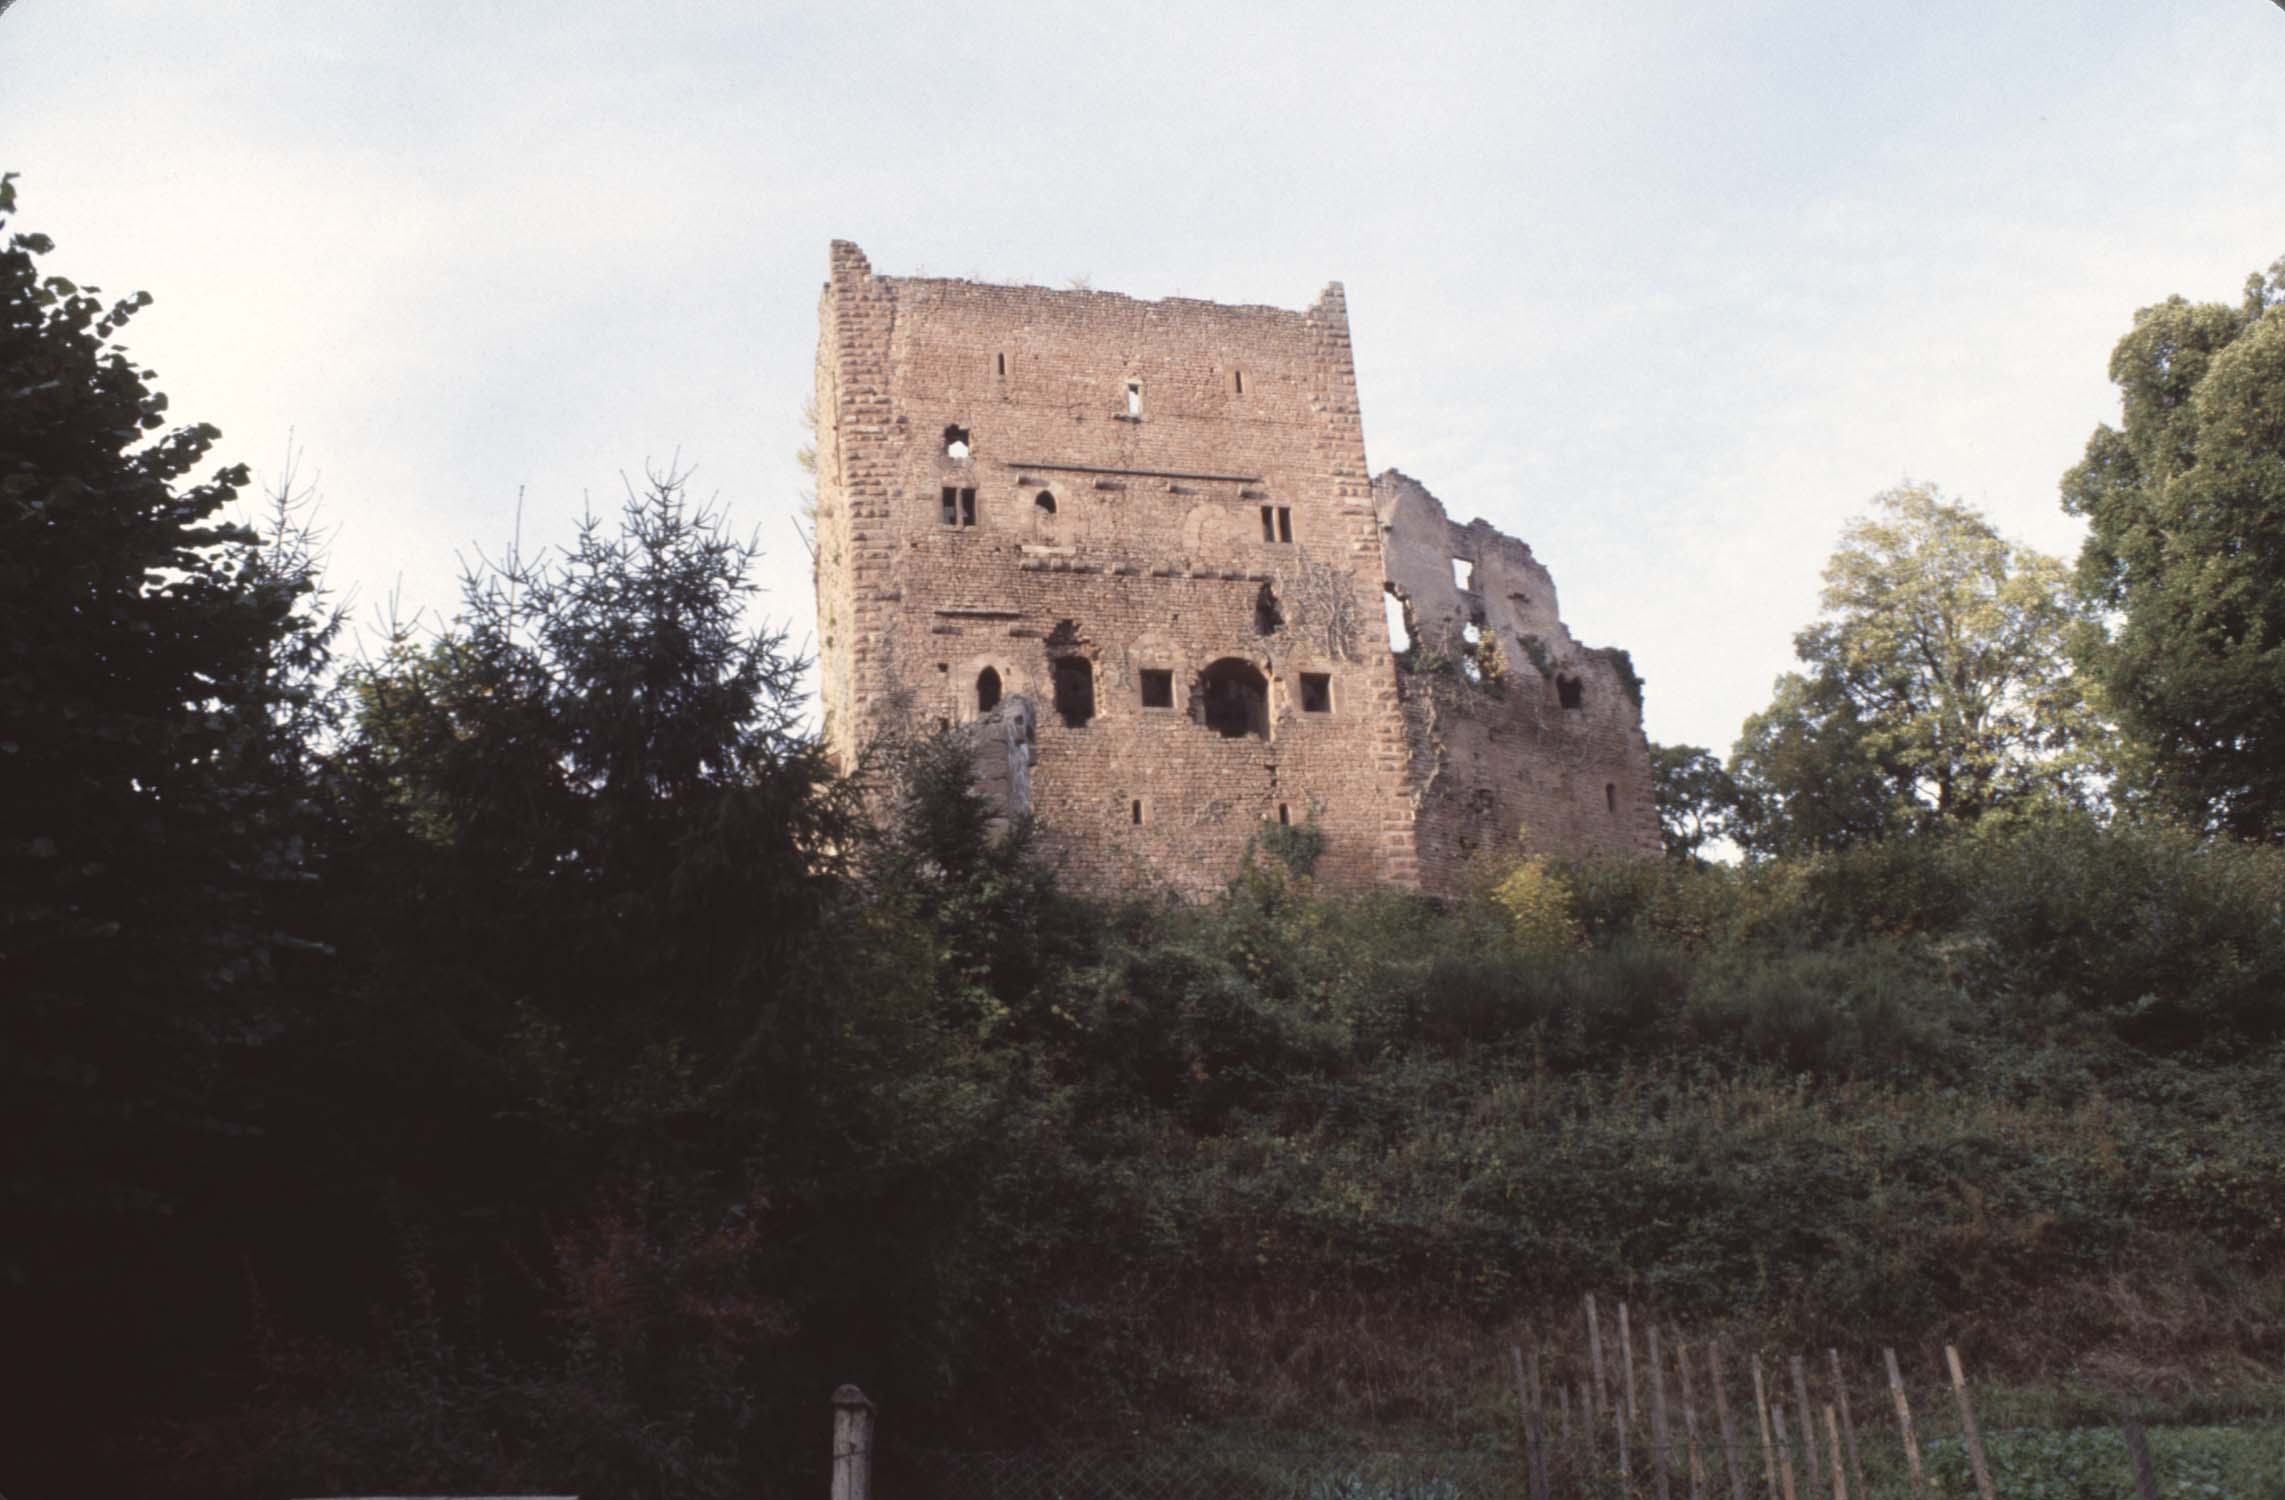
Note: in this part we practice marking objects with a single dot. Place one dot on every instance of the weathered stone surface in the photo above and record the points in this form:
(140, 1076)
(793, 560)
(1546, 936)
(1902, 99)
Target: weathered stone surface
(1150, 524)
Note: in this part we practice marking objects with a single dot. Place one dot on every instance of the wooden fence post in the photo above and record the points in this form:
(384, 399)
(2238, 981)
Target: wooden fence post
(1848, 1424)
(1904, 1422)
(2138, 1449)
(1833, 1452)
(1968, 1424)
(1812, 1469)
(852, 1445)
(1784, 1454)
(1714, 1363)
(1768, 1452)
(1658, 1429)
(1690, 1421)
(1538, 1427)
(1626, 1361)
(1594, 1407)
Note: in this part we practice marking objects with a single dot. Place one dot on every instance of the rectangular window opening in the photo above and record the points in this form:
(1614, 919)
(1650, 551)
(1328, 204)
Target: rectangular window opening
(1134, 398)
(1284, 816)
(967, 507)
(1316, 692)
(1003, 359)
(1285, 523)
(1269, 525)
(1075, 690)
(1464, 574)
(1135, 813)
(951, 506)
(1157, 688)
(1238, 381)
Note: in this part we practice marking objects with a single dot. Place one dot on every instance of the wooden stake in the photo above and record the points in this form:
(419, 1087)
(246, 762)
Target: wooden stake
(1626, 1359)
(1784, 1454)
(1848, 1425)
(1523, 1412)
(1811, 1468)
(852, 1444)
(1768, 1451)
(1714, 1363)
(1690, 1422)
(1904, 1423)
(1538, 1426)
(1595, 1355)
(1968, 1424)
(1658, 1429)
(1833, 1437)
(2138, 1449)
(1626, 1465)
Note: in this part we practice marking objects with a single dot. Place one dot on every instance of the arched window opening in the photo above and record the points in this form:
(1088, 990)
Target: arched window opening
(987, 690)
(1233, 699)
(1044, 502)
(955, 441)
(1569, 693)
(1074, 690)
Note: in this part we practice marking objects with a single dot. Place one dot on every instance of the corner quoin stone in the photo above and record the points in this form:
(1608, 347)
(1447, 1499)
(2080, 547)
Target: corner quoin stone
(1153, 522)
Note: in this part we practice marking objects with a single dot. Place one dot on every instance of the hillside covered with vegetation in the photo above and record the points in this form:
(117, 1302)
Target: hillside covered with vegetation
(513, 1058)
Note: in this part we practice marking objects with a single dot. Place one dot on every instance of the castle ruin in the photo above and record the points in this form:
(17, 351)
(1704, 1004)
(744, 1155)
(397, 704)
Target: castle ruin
(1134, 548)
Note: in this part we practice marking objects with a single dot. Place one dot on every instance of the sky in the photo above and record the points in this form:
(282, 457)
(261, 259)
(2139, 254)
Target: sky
(1669, 290)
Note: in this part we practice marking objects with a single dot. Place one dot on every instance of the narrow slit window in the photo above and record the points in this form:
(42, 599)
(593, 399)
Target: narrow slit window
(1610, 796)
(1316, 692)
(967, 507)
(1285, 523)
(951, 506)
(1157, 688)
(1003, 359)
(1135, 812)
(1284, 816)
(1134, 398)
(1269, 525)
(1238, 382)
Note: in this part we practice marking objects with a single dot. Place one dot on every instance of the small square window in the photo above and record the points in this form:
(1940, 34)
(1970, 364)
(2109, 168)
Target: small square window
(1157, 688)
(1316, 692)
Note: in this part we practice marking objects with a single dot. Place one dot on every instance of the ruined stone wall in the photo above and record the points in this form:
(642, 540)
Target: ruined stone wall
(1141, 488)
(1511, 723)
(1163, 507)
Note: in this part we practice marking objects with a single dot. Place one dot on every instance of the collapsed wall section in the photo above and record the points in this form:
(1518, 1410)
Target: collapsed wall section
(1511, 725)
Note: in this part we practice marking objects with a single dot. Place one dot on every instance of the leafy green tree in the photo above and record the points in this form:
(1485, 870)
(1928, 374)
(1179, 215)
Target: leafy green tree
(150, 814)
(2185, 508)
(1696, 795)
(1937, 686)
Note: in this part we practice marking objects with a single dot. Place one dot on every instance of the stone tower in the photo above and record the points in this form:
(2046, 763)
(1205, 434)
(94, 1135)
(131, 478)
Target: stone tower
(1141, 536)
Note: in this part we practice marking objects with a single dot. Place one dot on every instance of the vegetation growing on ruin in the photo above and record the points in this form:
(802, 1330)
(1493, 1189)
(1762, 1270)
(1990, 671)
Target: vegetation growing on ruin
(517, 1061)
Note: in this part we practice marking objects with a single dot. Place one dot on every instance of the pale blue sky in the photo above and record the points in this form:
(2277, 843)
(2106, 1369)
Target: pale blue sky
(1669, 290)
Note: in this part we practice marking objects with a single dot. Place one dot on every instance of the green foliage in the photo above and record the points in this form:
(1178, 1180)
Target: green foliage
(1697, 798)
(1938, 688)
(2181, 503)
(152, 826)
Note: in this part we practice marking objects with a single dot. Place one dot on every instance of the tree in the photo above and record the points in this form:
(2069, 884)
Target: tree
(2185, 509)
(148, 819)
(1696, 795)
(1937, 688)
